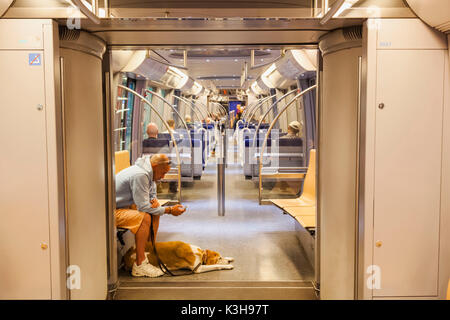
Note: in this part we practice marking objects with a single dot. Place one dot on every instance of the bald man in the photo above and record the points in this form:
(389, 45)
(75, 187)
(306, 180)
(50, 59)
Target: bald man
(152, 130)
(136, 202)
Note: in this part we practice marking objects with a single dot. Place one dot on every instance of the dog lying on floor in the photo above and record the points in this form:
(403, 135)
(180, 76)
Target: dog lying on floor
(178, 255)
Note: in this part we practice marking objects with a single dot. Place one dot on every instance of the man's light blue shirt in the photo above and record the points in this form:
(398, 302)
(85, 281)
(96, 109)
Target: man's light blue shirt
(135, 185)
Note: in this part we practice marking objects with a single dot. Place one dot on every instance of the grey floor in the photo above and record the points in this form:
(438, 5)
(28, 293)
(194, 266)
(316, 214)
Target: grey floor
(262, 239)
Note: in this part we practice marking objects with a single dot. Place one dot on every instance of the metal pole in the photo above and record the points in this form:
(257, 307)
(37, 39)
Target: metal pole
(225, 138)
(221, 177)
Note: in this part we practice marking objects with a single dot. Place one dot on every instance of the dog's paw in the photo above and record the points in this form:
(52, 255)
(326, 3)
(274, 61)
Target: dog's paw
(228, 267)
(229, 259)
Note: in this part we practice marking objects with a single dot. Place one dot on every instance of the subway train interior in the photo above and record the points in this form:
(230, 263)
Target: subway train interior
(308, 143)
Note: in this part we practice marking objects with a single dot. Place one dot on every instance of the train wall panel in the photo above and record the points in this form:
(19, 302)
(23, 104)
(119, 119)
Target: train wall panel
(86, 198)
(337, 173)
(444, 246)
(408, 171)
(404, 170)
(30, 199)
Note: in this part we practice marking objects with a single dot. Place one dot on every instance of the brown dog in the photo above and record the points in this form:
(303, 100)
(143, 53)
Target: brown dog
(180, 255)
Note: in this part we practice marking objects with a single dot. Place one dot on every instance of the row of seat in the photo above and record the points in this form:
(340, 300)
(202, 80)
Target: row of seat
(303, 208)
(193, 160)
(252, 125)
(281, 155)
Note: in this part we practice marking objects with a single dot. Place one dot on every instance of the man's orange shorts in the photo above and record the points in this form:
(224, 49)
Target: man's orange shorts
(131, 218)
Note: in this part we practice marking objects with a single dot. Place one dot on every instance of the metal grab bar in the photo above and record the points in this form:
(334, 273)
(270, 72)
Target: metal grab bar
(249, 110)
(268, 132)
(168, 129)
(184, 123)
(221, 107)
(85, 10)
(258, 106)
(174, 109)
(250, 107)
(267, 112)
(205, 108)
(190, 106)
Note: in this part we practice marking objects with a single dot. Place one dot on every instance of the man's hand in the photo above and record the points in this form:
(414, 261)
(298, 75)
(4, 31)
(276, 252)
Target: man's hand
(154, 202)
(177, 209)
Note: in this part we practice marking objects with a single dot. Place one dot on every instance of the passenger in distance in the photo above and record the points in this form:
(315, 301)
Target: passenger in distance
(136, 203)
(293, 130)
(171, 124)
(188, 121)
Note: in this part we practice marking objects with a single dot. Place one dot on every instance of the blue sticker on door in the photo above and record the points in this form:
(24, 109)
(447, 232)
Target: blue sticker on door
(34, 59)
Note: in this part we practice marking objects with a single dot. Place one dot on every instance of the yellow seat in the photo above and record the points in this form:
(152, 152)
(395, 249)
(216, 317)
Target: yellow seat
(301, 211)
(308, 197)
(448, 290)
(122, 160)
(303, 208)
(297, 202)
(307, 221)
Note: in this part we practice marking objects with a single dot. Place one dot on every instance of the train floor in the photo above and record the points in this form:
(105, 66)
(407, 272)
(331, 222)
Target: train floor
(262, 240)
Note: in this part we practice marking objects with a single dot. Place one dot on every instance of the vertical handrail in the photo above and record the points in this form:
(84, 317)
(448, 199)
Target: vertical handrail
(168, 129)
(357, 184)
(268, 133)
(64, 154)
(206, 152)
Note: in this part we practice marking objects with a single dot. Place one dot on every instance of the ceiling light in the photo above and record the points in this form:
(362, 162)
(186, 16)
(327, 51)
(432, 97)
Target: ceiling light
(207, 60)
(235, 60)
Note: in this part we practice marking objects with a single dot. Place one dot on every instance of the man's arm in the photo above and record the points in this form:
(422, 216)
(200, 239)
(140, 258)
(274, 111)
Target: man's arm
(140, 187)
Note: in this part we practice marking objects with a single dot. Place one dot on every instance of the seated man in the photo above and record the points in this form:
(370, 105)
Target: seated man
(152, 134)
(136, 187)
(294, 128)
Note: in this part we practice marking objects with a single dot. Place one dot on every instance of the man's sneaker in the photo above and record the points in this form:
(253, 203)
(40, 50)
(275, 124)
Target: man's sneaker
(145, 269)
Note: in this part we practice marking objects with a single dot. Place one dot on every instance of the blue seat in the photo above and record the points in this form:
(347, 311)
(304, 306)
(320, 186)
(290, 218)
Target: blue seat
(155, 143)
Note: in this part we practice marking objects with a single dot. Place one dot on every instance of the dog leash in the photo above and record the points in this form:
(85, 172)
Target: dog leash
(162, 266)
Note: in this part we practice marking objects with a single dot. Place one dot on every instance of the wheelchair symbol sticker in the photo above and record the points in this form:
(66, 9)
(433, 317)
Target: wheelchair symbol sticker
(34, 59)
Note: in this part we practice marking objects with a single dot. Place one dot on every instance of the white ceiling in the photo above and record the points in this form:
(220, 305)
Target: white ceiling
(220, 68)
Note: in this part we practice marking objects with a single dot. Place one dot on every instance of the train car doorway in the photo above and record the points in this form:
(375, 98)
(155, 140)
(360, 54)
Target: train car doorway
(206, 106)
